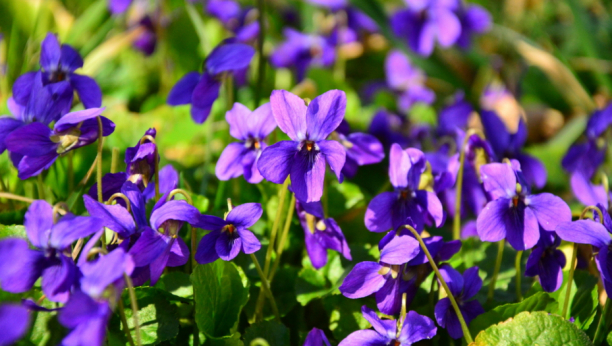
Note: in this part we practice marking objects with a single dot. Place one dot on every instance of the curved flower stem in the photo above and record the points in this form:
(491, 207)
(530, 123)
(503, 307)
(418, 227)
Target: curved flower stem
(500, 254)
(134, 304)
(14, 197)
(517, 265)
(266, 286)
(459, 186)
(123, 197)
(261, 61)
(464, 328)
(125, 323)
(602, 326)
(99, 172)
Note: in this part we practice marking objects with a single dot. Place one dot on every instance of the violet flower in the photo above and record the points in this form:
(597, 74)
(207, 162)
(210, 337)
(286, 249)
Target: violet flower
(21, 266)
(300, 51)
(474, 20)
(251, 128)
(389, 128)
(514, 213)
(361, 149)
(305, 155)
(391, 209)
(147, 41)
(58, 64)
(463, 288)
(547, 262)
(35, 147)
(14, 323)
(320, 234)
(118, 6)
(406, 80)
(426, 21)
(316, 337)
(201, 90)
(414, 328)
(230, 235)
(241, 21)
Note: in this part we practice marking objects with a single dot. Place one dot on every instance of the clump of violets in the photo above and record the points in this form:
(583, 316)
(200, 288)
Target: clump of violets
(303, 158)
(407, 81)
(514, 213)
(251, 128)
(414, 328)
(300, 51)
(201, 90)
(409, 200)
(361, 149)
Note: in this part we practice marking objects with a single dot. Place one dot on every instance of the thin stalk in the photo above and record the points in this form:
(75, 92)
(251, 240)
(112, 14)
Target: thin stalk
(99, 172)
(466, 331)
(156, 173)
(570, 279)
(114, 160)
(602, 326)
(89, 173)
(125, 323)
(229, 91)
(14, 197)
(41, 187)
(261, 61)
(134, 304)
(459, 187)
(517, 265)
(77, 249)
(71, 170)
(281, 244)
(500, 254)
(266, 285)
(194, 246)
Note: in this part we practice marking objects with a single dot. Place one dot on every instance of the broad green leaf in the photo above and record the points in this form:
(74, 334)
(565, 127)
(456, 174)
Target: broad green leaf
(177, 283)
(538, 302)
(158, 318)
(310, 284)
(274, 333)
(344, 315)
(533, 328)
(232, 341)
(220, 295)
(13, 231)
(585, 302)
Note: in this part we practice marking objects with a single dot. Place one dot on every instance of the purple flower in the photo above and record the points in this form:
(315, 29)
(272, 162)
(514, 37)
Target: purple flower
(251, 128)
(147, 41)
(58, 63)
(201, 90)
(320, 234)
(229, 235)
(316, 337)
(462, 288)
(118, 6)
(426, 21)
(454, 117)
(391, 209)
(20, 266)
(241, 22)
(305, 155)
(588, 193)
(35, 147)
(361, 149)
(407, 81)
(14, 323)
(389, 128)
(474, 20)
(514, 213)
(547, 262)
(414, 328)
(507, 145)
(300, 51)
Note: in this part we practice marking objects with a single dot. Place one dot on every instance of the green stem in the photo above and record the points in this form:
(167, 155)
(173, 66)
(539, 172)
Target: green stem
(570, 279)
(466, 331)
(517, 265)
(134, 305)
(459, 187)
(500, 254)
(261, 61)
(115, 160)
(99, 172)
(41, 186)
(229, 91)
(14, 197)
(281, 244)
(266, 286)
(125, 323)
(602, 325)
(71, 170)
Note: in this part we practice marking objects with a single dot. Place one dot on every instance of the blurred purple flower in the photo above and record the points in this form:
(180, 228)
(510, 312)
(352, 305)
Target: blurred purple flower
(316, 337)
(474, 20)
(147, 41)
(241, 21)
(14, 323)
(389, 128)
(361, 149)
(300, 51)
(407, 81)
(547, 262)
(118, 6)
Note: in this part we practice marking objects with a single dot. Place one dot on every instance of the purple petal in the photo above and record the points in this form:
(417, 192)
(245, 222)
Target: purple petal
(20, 267)
(307, 177)
(70, 120)
(137, 203)
(399, 165)
(334, 154)
(586, 192)
(179, 253)
(178, 210)
(206, 252)
(447, 25)
(228, 246)
(88, 90)
(71, 59)
(431, 203)
(22, 88)
(499, 180)
(401, 249)
(472, 283)
(366, 337)
(158, 265)
(522, 230)
(416, 328)
(119, 6)
(447, 318)
(204, 95)
(245, 215)
(378, 216)
(149, 246)
(363, 280)
(181, 92)
(324, 114)
(550, 271)
(111, 184)
(496, 132)
(107, 269)
(38, 222)
(316, 337)
(453, 279)
(50, 53)
(365, 149)
(7, 126)
(275, 161)
(383, 327)
(229, 57)
(478, 19)
(33, 166)
(490, 223)
(389, 296)
(210, 223)
(584, 232)
(549, 209)
(290, 114)
(238, 119)
(58, 279)
(250, 243)
(533, 169)
(15, 320)
(70, 228)
(229, 164)
(261, 122)
(115, 217)
(316, 250)
(31, 140)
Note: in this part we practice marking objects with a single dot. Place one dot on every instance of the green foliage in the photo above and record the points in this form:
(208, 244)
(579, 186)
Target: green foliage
(273, 333)
(158, 318)
(13, 231)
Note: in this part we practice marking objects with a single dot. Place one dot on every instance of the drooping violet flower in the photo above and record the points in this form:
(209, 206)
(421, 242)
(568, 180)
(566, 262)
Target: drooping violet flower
(547, 262)
(391, 209)
(251, 128)
(415, 327)
(320, 234)
(426, 21)
(230, 235)
(389, 128)
(35, 147)
(407, 81)
(241, 21)
(303, 158)
(58, 63)
(474, 20)
(463, 288)
(300, 51)
(507, 145)
(316, 337)
(361, 149)
(14, 323)
(201, 90)
(515, 214)
(20, 266)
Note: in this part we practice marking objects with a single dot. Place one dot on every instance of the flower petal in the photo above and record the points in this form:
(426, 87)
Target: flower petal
(550, 210)
(204, 95)
(383, 327)
(522, 230)
(20, 267)
(324, 114)
(276, 161)
(290, 114)
(496, 132)
(499, 180)
(178, 210)
(181, 92)
(206, 252)
(179, 253)
(58, 279)
(378, 216)
(31, 140)
(307, 175)
(149, 246)
(401, 249)
(15, 320)
(472, 283)
(38, 223)
(363, 280)
(70, 59)
(50, 53)
(365, 337)
(229, 57)
(229, 164)
(416, 328)
(334, 154)
(250, 243)
(227, 246)
(245, 215)
(88, 90)
(453, 279)
(584, 232)
(490, 223)
(533, 170)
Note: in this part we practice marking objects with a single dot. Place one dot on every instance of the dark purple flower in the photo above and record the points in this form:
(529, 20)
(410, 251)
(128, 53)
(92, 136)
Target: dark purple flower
(463, 288)
(361, 149)
(251, 128)
(391, 209)
(414, 328)
(201, 90)
(507, 145)
(316, 337)
(407, 81)
(389, 128)
(474, 20)
(147, 40)
(305, 155)
(515, 214)
(300, 51)
(37, 146)
(454, 117)
(241, 21)
(547, 262)
(20, 266)
(14, 323)
(230, 235)
(58, 63)
(426, 21)
(320, 234)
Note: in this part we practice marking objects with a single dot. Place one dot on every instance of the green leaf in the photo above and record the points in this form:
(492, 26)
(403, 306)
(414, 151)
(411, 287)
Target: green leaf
(310, 284)
(220, 295)
(538, 302)
(233, 341)
(533, 328)
(274, 333)
(585, 302)
(13, 231)
(177, 283)
(158, 318)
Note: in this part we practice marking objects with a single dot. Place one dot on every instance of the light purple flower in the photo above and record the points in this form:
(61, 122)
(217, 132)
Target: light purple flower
(300, 51)
(407, 81)
(361, 149)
